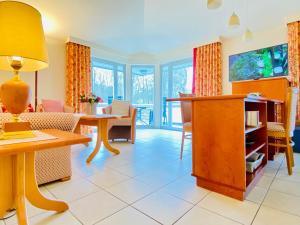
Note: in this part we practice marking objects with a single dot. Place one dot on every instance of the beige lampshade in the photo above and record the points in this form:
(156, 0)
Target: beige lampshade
(214, 4)
(234, 20)
(21, 35)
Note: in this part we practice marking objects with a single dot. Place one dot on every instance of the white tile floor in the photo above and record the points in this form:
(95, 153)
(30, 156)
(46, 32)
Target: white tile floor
(147, 184)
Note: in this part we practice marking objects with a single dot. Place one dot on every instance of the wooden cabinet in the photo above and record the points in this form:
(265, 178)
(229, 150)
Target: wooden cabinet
(219, 143)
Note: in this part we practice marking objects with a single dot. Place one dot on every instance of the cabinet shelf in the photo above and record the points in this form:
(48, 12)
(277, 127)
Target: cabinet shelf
(257, 173)
(254, 148)
(251, 129)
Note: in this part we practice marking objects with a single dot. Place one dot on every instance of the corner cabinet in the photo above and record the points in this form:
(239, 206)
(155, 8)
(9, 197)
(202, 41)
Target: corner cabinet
(219, 143)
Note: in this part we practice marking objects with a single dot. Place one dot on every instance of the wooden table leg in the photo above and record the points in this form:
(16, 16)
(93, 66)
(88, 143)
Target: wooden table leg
(32, 191)
(19, 188)
(77, 130)
(6, 184)
(104, 134)
(98, 144)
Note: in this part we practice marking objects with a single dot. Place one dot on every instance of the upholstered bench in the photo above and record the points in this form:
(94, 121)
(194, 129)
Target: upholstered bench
(53, 164)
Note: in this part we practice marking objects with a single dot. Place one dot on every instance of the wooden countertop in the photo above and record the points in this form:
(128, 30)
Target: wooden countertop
(218, 97)
(249, 98)
(64, 138)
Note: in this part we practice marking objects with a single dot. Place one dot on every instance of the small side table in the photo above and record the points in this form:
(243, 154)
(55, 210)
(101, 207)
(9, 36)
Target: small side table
(17, 174)
(101, 122)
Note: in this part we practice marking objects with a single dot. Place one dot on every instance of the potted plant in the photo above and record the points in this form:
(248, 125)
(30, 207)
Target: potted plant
(90, 101)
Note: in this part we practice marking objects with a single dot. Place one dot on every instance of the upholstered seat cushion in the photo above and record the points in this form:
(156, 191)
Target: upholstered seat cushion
(120, 108)
(276, 129)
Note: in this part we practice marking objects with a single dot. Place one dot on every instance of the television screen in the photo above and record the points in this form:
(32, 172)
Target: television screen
(261, 63)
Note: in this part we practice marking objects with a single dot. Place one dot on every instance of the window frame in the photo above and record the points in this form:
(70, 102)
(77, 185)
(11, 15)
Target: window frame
(170, 66)
(131, 85)
(115, 68)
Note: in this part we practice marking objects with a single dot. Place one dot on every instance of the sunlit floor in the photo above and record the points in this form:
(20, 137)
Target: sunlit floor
(148, 184)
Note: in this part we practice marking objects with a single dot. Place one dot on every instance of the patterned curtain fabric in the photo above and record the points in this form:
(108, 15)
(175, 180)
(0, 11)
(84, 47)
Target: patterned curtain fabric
(78, 74)
(207, 80)
(294, 56)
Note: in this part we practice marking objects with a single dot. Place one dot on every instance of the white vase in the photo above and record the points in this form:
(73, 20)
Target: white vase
(90, 109)
(93, 109)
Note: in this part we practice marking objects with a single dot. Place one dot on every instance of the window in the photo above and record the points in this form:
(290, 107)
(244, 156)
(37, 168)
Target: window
(143, 93)
(108, 80)
(175, 77)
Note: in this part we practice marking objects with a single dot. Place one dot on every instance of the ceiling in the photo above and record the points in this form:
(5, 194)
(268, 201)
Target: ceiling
(155, 26)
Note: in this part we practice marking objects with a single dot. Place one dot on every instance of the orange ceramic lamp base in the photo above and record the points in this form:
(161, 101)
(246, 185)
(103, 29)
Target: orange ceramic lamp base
(15, 95)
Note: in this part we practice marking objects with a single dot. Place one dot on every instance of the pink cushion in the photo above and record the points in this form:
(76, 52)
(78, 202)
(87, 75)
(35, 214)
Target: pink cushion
(52, 105)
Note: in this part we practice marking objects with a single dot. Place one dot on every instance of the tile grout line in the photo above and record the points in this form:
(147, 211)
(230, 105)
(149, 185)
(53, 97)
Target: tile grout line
(146, 214)
(268, 189)
(183, 215)
(231, 219)
(156, 190)
(214, 211)
(83, 196)
(111, 214)
(104, 190)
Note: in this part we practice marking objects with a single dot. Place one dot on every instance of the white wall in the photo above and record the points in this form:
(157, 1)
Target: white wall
(236, 45)
(51, 81)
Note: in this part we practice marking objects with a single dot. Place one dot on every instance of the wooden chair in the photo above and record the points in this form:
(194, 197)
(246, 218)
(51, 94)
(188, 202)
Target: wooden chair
(186, 116)
(283, 132)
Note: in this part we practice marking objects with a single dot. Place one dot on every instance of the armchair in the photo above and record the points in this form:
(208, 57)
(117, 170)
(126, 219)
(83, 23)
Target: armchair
(122, 128)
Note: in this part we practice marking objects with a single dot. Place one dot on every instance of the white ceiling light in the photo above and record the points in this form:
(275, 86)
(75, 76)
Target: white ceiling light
(214, 4)
(234, 21)
(248, 35)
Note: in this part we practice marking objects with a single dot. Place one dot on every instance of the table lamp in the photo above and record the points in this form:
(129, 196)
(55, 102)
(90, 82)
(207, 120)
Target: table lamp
(22, 48)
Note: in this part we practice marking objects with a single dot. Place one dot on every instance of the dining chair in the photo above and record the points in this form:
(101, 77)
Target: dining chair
(186, 116)
(282, 133)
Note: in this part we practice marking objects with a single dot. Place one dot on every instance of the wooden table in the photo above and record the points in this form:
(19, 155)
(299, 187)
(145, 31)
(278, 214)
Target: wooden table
(17, 174)
(101, 122)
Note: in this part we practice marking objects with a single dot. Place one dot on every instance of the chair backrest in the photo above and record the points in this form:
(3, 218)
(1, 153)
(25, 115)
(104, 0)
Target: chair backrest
(291, 109)
(186, 108)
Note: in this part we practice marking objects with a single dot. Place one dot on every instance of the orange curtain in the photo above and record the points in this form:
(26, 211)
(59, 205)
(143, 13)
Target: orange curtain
(294, 56)
(78, 74)
(208, 70)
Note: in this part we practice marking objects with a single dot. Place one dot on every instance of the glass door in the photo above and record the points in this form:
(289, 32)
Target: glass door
(108, 81)
(143, 94)
(175, 77)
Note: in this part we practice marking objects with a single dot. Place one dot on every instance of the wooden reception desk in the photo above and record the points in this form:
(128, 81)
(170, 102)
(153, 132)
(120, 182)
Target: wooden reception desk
(219, 142)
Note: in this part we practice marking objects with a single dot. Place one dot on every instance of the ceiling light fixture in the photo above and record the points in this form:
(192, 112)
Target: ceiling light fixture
(234, 21)
(214, 4)
(248, 36)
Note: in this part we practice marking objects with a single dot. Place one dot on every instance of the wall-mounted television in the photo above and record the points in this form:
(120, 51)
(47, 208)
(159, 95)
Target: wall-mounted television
(261, 63)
